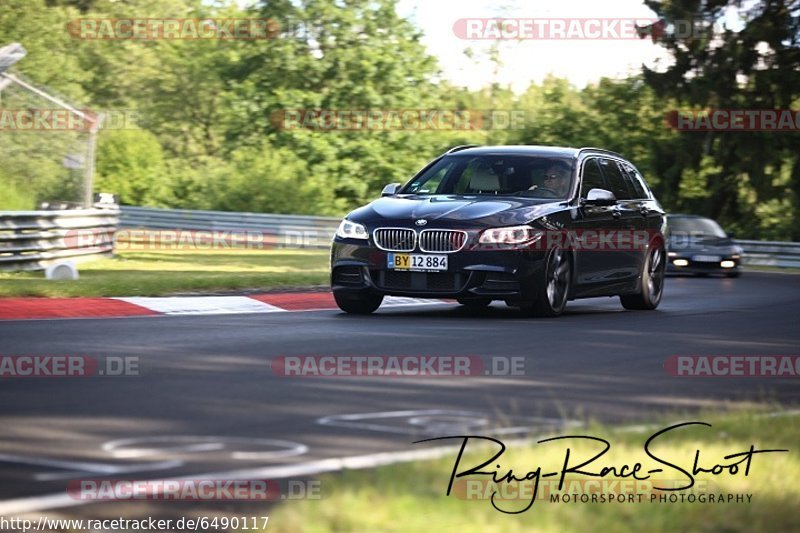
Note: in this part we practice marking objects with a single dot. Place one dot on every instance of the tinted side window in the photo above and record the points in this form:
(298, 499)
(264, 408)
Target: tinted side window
(615, 179)
(639, 184)
(592, 177)
(635, 182)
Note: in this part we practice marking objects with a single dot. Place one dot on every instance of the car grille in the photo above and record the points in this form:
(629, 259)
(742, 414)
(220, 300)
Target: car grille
(430, 240)
(441, 240)
(395, 239)
(419, 281)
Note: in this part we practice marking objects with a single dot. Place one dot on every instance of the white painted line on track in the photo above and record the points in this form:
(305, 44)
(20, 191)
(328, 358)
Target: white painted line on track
(203, 305)
(433, 421)
(77, 468)
(177, 444)
(402, 301)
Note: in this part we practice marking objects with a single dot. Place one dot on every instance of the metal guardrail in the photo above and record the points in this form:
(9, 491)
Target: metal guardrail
(289, 231)
(295, 231)
(30, 240)
(771, 253)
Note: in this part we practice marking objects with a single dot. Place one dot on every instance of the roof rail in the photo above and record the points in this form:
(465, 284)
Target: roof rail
(588, 148)
(461, 147)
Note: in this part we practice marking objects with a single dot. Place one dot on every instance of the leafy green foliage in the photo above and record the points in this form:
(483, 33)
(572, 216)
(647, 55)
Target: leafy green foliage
(132, 153)
(208, 138)
(756, 66)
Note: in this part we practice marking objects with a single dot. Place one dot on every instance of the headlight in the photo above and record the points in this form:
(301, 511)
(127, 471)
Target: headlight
(510, 235)
(351, 230)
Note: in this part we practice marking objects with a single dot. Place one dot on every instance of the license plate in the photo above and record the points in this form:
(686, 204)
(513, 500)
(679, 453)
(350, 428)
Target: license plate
(707, 258)
(417, 262)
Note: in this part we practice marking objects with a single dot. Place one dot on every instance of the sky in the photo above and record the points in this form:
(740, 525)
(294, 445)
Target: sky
(579, 61)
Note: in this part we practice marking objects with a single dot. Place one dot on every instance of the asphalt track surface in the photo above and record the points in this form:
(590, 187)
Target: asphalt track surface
(209, 398)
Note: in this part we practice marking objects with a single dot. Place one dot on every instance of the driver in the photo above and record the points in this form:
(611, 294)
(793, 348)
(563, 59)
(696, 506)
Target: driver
(556, 178)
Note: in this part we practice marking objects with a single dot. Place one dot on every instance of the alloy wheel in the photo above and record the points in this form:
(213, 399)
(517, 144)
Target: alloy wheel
(655, 274)
(558, 278)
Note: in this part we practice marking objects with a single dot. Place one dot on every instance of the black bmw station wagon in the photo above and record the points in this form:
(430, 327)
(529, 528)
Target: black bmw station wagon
(533, 226)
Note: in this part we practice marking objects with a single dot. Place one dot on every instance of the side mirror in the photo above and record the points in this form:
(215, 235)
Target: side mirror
(391, 189)
(599, 197)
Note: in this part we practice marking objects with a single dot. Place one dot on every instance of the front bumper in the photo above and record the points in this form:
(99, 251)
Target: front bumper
(358, 267)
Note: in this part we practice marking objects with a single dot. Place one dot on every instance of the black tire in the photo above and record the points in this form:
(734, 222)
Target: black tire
(554, 286)
(475, 303)
(651, 283)
(358, 305)
(733, 274)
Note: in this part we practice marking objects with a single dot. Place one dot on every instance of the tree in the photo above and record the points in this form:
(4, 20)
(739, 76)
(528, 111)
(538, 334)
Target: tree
(754, 67)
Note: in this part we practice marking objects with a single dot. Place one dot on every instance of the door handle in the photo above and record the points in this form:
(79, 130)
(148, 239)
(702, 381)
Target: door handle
(616, 213)
(644, 211)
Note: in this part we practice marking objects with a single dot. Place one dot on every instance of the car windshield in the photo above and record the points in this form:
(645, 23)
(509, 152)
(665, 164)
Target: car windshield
(695, 226)
(496, 175)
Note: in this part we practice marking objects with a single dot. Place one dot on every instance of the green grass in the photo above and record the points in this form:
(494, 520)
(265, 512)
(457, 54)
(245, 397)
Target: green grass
(411, 496)
(155, 273)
